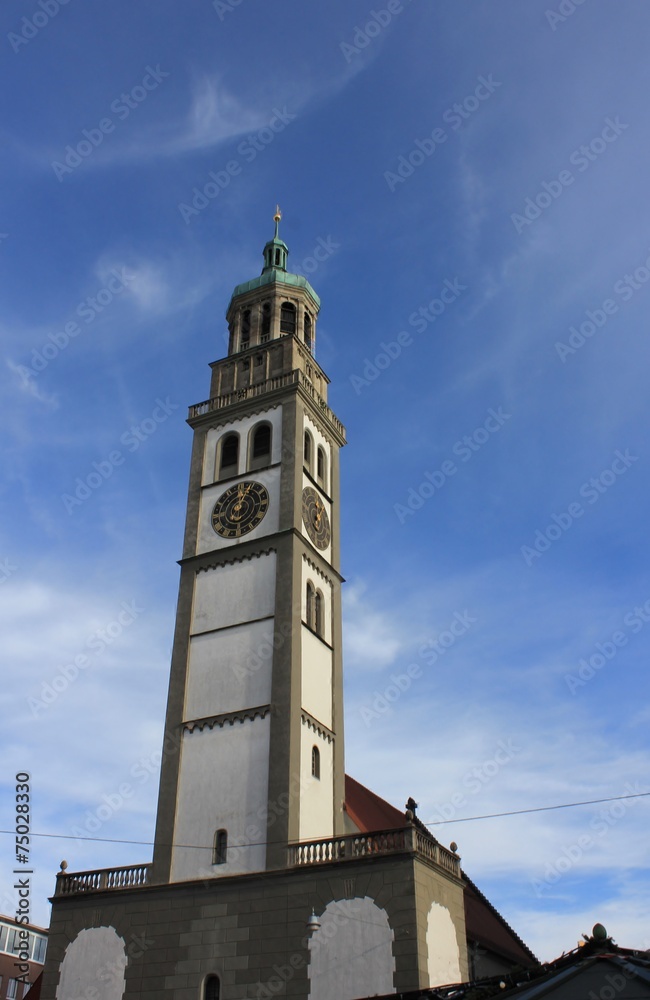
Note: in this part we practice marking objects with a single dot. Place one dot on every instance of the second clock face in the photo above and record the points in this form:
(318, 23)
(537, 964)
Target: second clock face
(240, 509)
(315, 517)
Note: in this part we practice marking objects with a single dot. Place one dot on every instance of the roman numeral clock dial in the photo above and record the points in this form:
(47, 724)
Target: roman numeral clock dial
(240, 509)
(315, 518)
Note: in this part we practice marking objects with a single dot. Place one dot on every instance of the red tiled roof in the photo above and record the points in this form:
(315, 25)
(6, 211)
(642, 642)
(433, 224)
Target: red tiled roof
(369, 811)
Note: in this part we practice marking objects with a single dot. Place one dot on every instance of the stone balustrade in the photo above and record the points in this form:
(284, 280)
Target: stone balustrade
(73, 883)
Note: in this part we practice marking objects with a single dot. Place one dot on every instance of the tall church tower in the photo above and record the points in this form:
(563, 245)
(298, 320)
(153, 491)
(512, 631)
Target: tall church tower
(253, 752)
(262, 884)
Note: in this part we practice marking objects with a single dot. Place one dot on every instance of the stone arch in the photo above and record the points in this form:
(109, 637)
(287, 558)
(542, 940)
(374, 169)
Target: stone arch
(94, 965)
(351, 955)
(442, 946)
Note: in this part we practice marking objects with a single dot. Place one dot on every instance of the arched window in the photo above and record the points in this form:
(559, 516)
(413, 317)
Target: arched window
(245, 329)
(308, 331)
(288, 318)
(321, 467)
(315, 762)
(311, 604)
(220, 847)
(318, 613)
(259, 446)
(229, 459)
(307, 451)
(212, 988)
(265, 330)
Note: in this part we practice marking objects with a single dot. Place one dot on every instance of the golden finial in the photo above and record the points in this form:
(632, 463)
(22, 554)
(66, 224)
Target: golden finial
(278, 214)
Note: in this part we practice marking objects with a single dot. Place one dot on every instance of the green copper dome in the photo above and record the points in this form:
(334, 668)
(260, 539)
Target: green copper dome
(275, 271)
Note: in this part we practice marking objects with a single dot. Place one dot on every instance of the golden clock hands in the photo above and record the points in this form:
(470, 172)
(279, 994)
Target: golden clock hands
(241, 493)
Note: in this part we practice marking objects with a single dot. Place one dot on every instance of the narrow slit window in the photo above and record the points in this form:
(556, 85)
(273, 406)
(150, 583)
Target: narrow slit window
(315, 762)
(308, 331)
(220, 847)
(311, 605)
(265, 331)
(321, 467)
(307, 450)
(318, 613)
(245, 329)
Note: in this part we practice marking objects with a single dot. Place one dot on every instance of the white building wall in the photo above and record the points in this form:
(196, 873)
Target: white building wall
(351, 955)
(316, 795)
(223, 784)
(234, 593)
(93, 966)
(442, 945)
(316, 678)
(230, 670)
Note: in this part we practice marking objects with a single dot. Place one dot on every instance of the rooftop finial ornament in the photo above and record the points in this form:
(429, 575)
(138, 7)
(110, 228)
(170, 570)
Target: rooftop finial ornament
(276, 219)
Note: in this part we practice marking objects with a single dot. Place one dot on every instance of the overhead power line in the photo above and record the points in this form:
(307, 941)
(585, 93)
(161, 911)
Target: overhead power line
(264, 843)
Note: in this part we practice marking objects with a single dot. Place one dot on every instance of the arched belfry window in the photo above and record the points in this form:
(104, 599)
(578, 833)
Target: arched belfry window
(288, 318)
(260, 446)
(307, 450)
(318, 613)
(229, 456)
(308, 331)
(265, 328)
(212, 988)
(220, 850)
(315, 762)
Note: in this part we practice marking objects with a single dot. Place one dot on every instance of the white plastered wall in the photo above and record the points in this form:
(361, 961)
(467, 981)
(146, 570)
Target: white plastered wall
(442, 945)
(230, 670)
(93, 966)
(351, 955)
(317, 666)
(223, 777)
(234, 593)
(316, 794)
(316, 678)
(223, 784)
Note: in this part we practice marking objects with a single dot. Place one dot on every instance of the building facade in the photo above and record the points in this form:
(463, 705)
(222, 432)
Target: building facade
(21, 947)
(271, 875)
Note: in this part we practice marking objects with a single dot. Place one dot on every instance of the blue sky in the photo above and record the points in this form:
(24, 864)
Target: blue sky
(475, 176)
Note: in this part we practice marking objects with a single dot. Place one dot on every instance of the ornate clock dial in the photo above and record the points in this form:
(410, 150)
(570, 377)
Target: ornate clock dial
(315, 517)
(240, 509)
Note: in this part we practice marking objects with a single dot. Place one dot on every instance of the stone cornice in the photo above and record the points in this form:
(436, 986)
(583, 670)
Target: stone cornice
(318, 727)
(228, 718)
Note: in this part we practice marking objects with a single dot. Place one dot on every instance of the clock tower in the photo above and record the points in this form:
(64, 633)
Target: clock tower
(273, 874)
(253, 751)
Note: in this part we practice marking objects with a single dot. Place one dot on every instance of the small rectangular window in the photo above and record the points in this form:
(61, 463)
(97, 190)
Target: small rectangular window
(40, 945)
